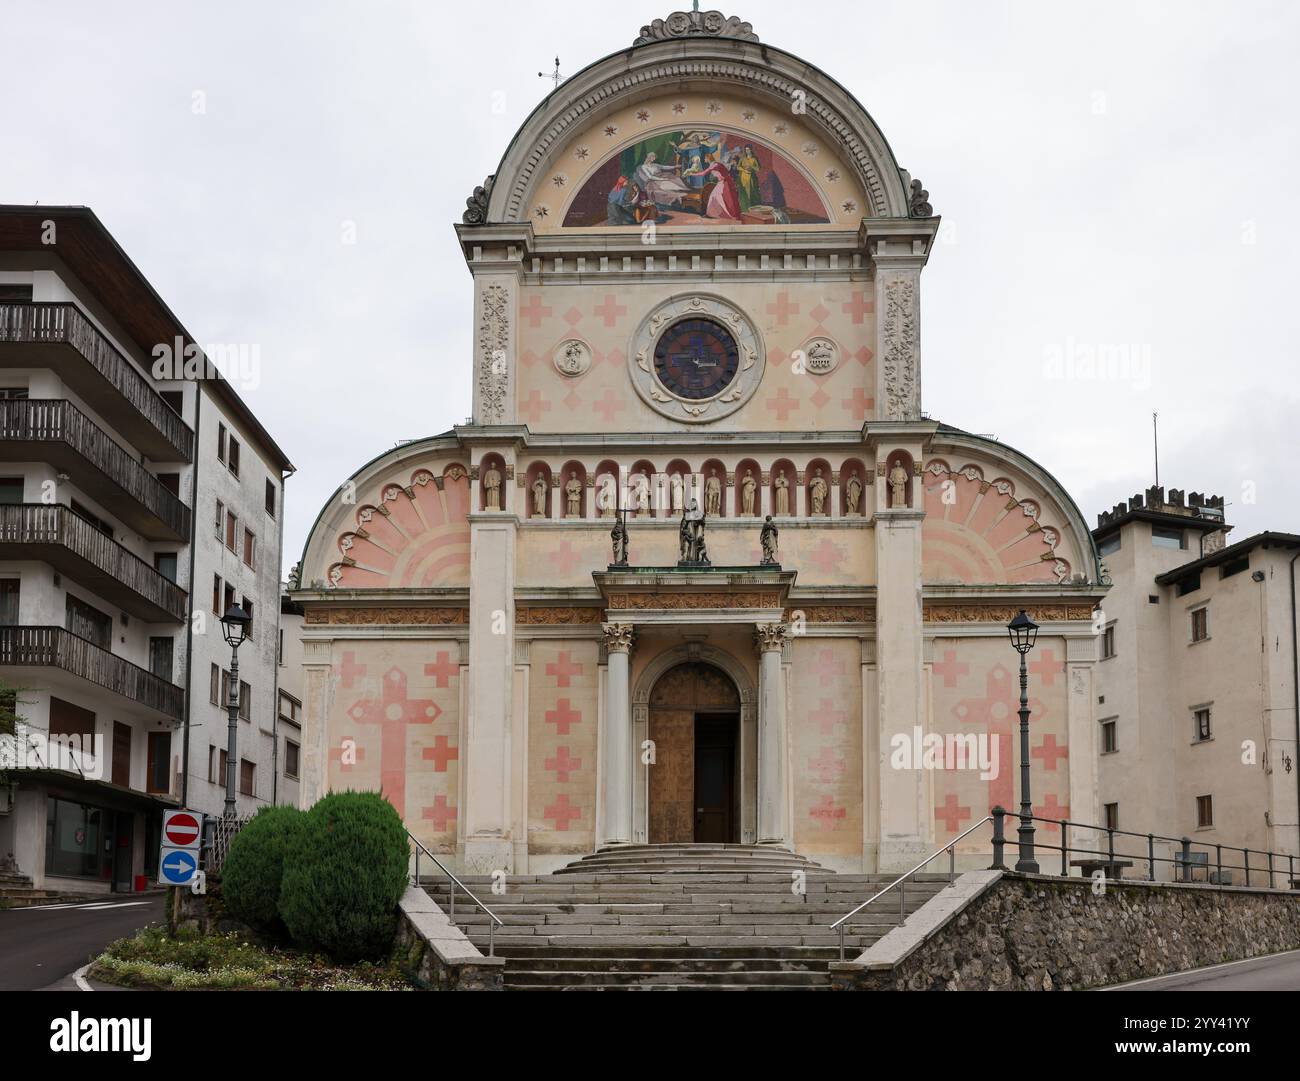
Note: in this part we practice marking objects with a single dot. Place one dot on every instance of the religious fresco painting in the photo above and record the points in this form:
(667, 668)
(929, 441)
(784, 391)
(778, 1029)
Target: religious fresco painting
(697, 177)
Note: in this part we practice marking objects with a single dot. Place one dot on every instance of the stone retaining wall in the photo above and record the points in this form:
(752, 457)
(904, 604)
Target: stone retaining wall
(436, 953)
(1000, 931)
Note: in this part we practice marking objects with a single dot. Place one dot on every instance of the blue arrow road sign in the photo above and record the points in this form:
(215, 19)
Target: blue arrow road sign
(178, 867)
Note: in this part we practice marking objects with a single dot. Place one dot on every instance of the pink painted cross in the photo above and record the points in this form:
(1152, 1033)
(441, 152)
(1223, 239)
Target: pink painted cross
(563, 716)
(1053, 810)
(858, 403)
(565, 559)
(442, 669)
(951, 814)
(826, 557)
(827, 667)
(609, 404)
(828, 717)
(440, 814)
(534, 311)
(1049, 751)
(393, 712)
(561, 812)
(349, 670)
(782, 309)
(1048, 667)
(826, 813)
(563, 669)
(859, 306)
(783, 405)
(950, 668)
(562, 765)
(610, 310)
(440, 754)
(336, 755)
(532, 407)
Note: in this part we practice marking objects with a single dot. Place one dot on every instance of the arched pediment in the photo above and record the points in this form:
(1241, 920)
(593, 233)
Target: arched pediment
(664, 70)
(993, 517)
(400, 522)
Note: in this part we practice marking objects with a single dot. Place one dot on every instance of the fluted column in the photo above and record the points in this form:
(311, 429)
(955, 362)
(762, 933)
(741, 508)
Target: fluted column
(772, 829)
(617, 817)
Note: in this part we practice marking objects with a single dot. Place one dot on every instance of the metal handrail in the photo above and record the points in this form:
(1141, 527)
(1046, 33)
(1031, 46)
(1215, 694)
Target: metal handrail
(901, 881)
(494, 921)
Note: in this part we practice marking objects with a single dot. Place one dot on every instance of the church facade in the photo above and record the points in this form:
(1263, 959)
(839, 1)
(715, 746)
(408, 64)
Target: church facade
(697, 284)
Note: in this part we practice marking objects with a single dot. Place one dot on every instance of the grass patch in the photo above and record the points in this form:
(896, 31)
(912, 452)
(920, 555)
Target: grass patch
(192, 961)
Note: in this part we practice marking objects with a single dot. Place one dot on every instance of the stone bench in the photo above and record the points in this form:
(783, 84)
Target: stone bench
(1111, 868)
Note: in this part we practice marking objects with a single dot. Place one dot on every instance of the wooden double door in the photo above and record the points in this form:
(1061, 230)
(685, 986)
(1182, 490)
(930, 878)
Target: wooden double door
(695, 726)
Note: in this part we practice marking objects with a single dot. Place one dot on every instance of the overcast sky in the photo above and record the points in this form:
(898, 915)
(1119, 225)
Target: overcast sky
(1116, 176)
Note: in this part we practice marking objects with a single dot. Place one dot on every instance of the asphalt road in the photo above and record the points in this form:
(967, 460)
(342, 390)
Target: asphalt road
(1281, 972)
(39, 947)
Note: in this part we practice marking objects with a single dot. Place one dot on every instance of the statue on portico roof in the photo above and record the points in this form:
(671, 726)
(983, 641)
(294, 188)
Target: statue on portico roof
(691, 537)
(767, 538)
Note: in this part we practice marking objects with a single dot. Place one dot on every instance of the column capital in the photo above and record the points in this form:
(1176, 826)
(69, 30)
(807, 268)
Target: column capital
(770, 637)
(618, 637)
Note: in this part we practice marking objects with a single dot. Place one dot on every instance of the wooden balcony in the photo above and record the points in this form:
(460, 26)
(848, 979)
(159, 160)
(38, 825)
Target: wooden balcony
(56, 431)
(71, 545)
(61, 338)
(54, 647)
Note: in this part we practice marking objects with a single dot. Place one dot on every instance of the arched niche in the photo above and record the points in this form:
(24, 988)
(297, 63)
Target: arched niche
(572, 472)
(748, 468)
(783, 469)
(818, 469)
(538, 471)
(854, 469)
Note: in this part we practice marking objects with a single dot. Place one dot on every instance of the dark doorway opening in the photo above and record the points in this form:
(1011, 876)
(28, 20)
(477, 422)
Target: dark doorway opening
(715, 777)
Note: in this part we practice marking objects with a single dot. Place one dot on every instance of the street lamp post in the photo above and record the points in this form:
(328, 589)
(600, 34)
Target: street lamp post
(1024, 632)
(234, 625)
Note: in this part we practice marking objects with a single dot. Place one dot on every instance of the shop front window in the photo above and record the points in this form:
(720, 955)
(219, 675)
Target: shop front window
(74, 839)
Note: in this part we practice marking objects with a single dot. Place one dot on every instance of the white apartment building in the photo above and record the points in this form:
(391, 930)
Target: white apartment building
(1197, 679)
(133, 511)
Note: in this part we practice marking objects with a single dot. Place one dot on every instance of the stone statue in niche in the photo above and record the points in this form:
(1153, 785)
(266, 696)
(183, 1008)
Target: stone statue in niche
(641, 493)
(675, 489)
(817, 492)
(492, 487)
(852, 493)
(606, 495)
(619, 536)
(748, 489)
(539, 496)
(767, 538)
(898, 479)
(782, 487)
(713, 494)
(690, 536)
(573, 497)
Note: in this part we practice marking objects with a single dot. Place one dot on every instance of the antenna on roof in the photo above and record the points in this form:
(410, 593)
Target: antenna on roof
(1155, 441)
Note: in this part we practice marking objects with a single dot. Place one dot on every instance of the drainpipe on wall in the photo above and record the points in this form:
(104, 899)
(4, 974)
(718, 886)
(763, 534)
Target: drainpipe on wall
(189, 621)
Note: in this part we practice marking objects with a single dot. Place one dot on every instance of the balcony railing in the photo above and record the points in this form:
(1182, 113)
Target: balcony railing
(54, 647)
(164, 436)
(61, 537)
(49, 423)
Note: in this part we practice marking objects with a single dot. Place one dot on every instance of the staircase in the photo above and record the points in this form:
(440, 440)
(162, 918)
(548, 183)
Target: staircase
(679, 918)
(18, 891)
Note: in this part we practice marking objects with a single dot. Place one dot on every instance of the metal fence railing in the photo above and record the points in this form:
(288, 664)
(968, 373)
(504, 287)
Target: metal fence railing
(221, 831)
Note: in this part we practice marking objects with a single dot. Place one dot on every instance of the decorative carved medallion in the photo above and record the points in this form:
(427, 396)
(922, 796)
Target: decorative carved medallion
(901, 333)
(821, 355)
(494, 342)
(696, 359)
(572, 357)
(686, 24)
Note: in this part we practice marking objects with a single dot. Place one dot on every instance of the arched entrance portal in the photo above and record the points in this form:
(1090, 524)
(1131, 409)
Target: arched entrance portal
(695, 786)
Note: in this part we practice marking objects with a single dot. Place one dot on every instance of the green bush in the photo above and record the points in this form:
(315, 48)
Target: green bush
(254, 868)
(344, 873)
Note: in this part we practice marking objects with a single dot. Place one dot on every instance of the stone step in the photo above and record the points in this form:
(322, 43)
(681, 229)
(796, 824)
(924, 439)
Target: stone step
(827, 880)
(679, 987)
(543, 923)
(591, 960)
(688, 937)
(518, 979)
(532, 952)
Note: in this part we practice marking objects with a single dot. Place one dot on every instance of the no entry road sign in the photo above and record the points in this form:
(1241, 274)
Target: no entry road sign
(182, 829)
(177, 867)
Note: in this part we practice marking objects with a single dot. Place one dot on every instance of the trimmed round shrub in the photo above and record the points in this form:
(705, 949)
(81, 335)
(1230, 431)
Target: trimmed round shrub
(253, 871)
(344, 874)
